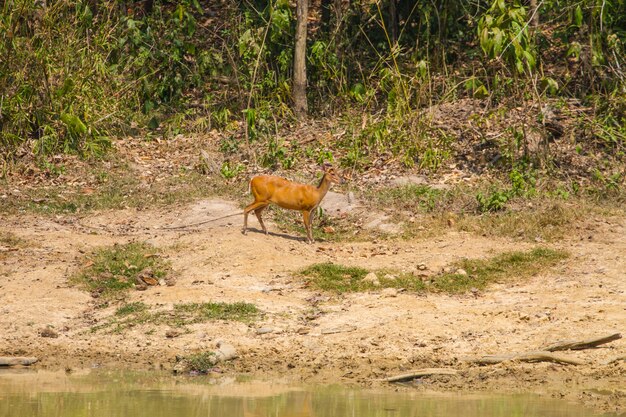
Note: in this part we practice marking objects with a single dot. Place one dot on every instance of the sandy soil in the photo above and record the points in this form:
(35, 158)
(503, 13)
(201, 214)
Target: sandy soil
(356, 338)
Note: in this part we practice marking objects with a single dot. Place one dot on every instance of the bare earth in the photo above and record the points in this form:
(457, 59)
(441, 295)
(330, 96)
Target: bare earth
(308, 336)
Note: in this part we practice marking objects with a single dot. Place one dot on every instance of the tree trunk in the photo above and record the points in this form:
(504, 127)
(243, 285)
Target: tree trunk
(535, 14)
(299, 59)
(393, 21)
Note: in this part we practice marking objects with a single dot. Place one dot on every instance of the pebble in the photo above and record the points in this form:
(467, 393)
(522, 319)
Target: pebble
(372, 277)
(389, 292)
(461, 271)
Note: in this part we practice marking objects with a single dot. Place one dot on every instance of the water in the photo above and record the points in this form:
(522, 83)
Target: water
(111, 394)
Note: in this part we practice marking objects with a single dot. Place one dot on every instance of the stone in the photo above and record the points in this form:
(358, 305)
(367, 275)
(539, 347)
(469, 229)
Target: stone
(225, 352)
(461, 271)
(372, 278)
(389, 292)
(264, 330)
(170, 334)
(48, 332)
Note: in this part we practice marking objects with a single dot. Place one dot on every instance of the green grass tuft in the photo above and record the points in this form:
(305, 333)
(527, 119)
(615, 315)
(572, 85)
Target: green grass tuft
(509, 266)
(480, 273)
(201, 362)
(111, 270)
(341, 279)
(131, 308)
(189, 313)
(132, 314)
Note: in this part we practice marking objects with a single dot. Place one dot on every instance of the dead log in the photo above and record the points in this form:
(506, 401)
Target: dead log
(615, 360)
(16, 360)
(536, 356)
(582, 344)
(419, 373)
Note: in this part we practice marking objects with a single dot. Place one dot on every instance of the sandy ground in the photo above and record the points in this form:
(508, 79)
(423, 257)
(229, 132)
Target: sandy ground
(308, 336)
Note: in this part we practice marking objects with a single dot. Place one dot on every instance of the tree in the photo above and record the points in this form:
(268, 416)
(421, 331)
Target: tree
(299, 59)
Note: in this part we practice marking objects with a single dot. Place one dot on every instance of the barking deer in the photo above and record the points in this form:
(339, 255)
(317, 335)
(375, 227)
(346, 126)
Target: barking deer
(267, 189)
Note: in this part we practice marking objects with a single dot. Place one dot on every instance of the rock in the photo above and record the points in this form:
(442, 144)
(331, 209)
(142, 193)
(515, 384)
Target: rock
(389, 292)
(303, 330)
(147, 276)
(48, 332)
(447, 270)
(264, 330)
(17, 360)
(225, 352)
(337, 204)
(460, 271)
(340, 329)
(170, 334)
(422, 266)
(390, 277)
(372, 278)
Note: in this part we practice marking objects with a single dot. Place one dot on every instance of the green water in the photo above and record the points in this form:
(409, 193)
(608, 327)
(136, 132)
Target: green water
(112, 394)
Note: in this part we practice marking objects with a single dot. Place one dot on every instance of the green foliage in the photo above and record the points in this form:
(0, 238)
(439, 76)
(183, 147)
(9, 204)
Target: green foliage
(494, 201)
(132, 314)
(201, 362)
(410, 197)
(503, 33)
(111, 270)
(131, 308)
(230, 170)
(341, 279)
(504, 267)
(479, 274)
(189, 313)
(277, 154)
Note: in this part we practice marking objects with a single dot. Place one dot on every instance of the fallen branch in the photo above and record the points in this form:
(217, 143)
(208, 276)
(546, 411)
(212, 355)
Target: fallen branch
(419, 373)
(582, 344)
(615, 360)
(16, 360)
(537, 356)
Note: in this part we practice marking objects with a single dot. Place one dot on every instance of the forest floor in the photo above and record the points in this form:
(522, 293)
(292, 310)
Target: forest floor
(305, 334)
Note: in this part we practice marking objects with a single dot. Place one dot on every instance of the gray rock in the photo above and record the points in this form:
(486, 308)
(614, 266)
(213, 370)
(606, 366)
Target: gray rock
(372, 278)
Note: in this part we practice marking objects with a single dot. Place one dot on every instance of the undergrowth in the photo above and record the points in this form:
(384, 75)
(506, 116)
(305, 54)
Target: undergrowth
(138, 313)
(478, 274)
(110, 271)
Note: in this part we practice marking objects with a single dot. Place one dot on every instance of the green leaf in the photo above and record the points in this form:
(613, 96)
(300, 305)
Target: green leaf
(74, 124)
(578, 16)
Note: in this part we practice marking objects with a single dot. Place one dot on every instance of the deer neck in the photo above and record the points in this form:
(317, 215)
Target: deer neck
(323, 188)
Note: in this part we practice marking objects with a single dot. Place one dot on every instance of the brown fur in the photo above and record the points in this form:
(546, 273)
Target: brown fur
(268, 189)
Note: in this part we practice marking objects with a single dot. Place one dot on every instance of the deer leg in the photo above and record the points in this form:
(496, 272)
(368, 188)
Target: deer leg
(258, 213)
(306, 217)
(247, 210)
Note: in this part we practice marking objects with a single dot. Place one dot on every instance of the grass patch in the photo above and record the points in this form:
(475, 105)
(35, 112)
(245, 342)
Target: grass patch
(480, 273)
(112, 270)
(201, 362)
(341, 279)
(509, 266)
(131, 308)
(189, 313)
(10, 239)
(415, 198)
(120, 189)
(136, 313)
